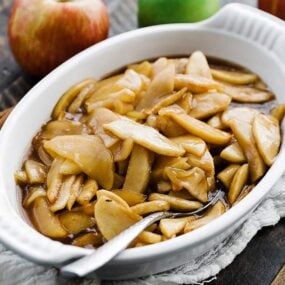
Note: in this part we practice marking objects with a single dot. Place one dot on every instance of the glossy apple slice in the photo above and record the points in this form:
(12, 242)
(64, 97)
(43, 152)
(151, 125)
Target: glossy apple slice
(266, 133)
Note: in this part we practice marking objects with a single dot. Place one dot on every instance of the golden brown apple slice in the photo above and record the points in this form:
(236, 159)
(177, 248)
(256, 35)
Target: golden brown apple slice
(62, 127)
(194, 180)
(139, 169)
(198, 65)
(63, 194)
(162, 84)
(145, 136)
(54, 179)
(45, 220)
(171, 227)
(185, 102)
(69, 96)
(97, 119)
(204, 162)
(243, 134)
(191, 144)
(168, 127)
(33, 193)
(217, 210)
(234, 77)
(278, 112)
(122, 149)
(90, 239)
(76, 221)
(88, 152)
(112, 218)
(238, 182)
(21, 177)
(208, 104)
(149, 238)
(226, 176)
(146, 208)
(111, 195)
(175, 203)
(266, 133)
(233, 153)
(199, 128)
(69, 168)
(144, 68)
(165, 101)
(88, 192)
(75, 191)
(195, 83)
(246, 94)
(131, 80)
(36, 171)
(216, 122)
(131, 197)
(243, 114)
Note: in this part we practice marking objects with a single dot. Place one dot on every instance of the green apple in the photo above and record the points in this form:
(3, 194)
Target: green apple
(154, 12)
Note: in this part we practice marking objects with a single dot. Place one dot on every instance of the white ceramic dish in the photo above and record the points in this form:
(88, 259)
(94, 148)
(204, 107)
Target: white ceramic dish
(237, 33)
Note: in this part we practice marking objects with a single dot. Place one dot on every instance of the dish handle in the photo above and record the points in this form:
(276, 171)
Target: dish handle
(252, 24)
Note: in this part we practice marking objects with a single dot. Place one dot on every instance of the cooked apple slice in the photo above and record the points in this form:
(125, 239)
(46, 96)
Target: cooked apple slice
(88, 192)
(204, 162)
(90, 239)
(171, 227)
(278, 112)
(45, 220)
(180, 64)
(198, 128)
(243, 114)
(97, 119)
(75, 191)
(233, 153)
(266, 133)
(63, 194)
(144, 68)
(111, 195)
(217, 210)
(159, 65)
(246, 94)
(198, 65)
(69, 168)
(122, 149)
(194, 180)
(88, 152)
(149, 238)
(191, 144)
(168, 127)
(238, 182)
(234, 77)
(165, 101)
(32, 194)
(69, 96)
(146, 208)
(175, 203)
(131, 197)
(208, 104)
(131, 80)
(216, 122)
(54, 179)
(162, 84)
(145, 136)
(76, 221)
(36, 171)
(139, 169)
(226, 176)
(185, 102)
(195, 83)
(112, 218)
(61, 128)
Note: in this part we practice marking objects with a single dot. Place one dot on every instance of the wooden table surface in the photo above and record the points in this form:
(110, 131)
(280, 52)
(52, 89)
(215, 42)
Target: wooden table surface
(261, 263)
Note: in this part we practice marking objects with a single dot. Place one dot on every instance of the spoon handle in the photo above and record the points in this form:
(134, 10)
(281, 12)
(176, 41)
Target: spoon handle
(106, 252)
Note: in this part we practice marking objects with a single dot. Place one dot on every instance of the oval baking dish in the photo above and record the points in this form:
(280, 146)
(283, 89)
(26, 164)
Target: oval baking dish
(238, 34)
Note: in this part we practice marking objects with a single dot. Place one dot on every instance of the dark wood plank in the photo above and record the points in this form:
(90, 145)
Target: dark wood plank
(280, 278)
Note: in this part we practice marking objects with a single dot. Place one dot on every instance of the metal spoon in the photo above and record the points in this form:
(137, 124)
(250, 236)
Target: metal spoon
(109, 250)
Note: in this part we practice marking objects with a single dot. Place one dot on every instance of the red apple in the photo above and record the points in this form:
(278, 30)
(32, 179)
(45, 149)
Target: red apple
(45, 33)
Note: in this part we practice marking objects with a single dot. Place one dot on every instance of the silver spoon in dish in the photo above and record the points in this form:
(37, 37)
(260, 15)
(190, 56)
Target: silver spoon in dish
(109, 250)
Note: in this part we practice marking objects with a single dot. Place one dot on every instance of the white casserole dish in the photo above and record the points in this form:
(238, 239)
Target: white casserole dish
(237, 33)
